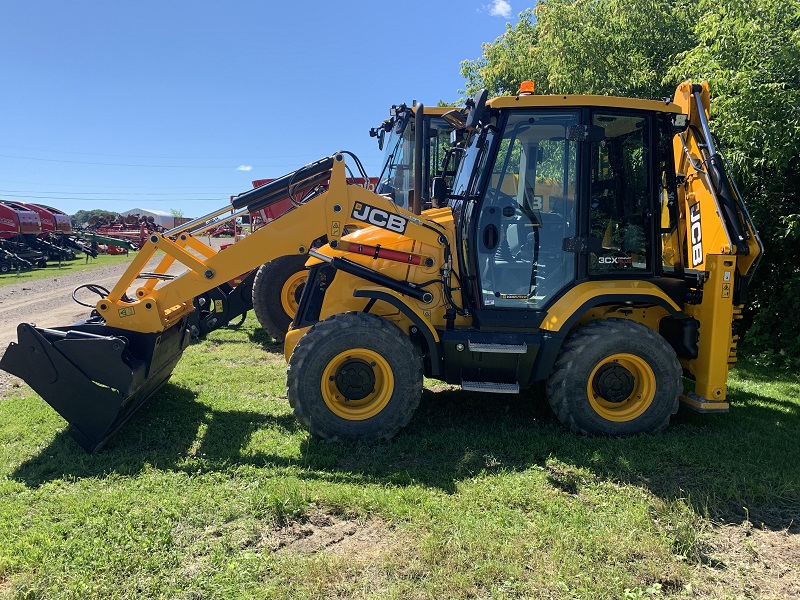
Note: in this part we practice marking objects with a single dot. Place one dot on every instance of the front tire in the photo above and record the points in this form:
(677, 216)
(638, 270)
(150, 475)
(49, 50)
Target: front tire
(277, 288)
(354, 376)
(615, 377)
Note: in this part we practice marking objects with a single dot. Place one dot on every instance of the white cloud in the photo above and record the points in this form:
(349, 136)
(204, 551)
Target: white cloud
(244, 168)
(500, 8)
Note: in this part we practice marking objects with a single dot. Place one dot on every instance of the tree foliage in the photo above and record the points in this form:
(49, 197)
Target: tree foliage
(620, 47)
(80, 218)
(748, 51)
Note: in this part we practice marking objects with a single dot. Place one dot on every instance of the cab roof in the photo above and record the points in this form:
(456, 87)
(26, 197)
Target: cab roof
(580, 100)
(437, 110)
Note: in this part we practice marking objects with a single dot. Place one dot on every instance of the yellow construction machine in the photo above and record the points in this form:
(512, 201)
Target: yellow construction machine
(593, 243)
(278, 285)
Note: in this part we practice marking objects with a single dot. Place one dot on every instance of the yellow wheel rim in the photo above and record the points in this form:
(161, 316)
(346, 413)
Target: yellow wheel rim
(291, 291)
(621, 387)
(357, 384)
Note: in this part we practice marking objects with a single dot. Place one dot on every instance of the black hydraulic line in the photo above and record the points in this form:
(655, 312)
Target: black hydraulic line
(718, 178)
(310, 175)
(358, 164)
(94, 288)
(367, 274)
(420, 197)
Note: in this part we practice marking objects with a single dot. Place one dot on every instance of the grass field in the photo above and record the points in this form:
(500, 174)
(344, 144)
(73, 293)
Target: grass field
(66, 267)
(213, 491)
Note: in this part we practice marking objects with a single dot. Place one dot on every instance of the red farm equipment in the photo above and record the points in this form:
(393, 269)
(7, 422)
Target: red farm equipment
(126, 233)
(17, 225)
(56, 240)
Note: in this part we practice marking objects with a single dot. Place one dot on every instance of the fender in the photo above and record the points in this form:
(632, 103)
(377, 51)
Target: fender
(574, 304)
(436, 370)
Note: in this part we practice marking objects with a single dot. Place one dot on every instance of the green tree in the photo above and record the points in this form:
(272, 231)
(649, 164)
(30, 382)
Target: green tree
(619, 47)
(80, 218)
(749, 52)
(507, 61)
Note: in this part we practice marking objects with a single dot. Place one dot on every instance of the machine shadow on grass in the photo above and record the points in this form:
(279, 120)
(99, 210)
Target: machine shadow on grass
(164, 434)
(744, 465)
(265, 340)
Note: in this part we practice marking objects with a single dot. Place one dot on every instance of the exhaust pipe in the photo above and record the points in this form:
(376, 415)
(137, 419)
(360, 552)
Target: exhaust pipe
(94, 376)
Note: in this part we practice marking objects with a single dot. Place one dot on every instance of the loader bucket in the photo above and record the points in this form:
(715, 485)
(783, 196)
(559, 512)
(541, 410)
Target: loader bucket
(94, 376)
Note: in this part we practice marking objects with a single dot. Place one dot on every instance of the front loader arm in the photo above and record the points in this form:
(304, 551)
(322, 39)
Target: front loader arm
(158, 308)
(97, 373)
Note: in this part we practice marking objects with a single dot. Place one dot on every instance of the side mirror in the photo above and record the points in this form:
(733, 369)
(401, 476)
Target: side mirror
(476, 110)
(454, 118)
(440, 192)
(403, 117)
(380, 134)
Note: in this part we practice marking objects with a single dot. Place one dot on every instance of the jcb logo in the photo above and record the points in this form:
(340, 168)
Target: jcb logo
(379, 218)
(696, 233)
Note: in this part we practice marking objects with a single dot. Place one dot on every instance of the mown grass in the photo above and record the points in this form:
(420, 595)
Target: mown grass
(479, 497)
(82, 263)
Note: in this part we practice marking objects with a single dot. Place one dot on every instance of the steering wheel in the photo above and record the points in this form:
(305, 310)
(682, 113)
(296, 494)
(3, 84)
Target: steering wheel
(506, 203)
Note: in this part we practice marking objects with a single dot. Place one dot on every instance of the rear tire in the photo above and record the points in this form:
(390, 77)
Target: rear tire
(354, 376)
(615, 377)
(277, 288)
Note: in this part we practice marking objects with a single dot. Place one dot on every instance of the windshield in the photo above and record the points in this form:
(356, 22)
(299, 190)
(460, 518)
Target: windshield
(464, 171)
(397, 177)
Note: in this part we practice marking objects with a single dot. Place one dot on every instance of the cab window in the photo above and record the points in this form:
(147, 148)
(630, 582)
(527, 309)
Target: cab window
(620, 195)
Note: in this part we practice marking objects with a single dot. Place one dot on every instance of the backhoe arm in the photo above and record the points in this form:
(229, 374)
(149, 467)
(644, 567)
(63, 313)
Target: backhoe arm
(717, 220)
(722, 245)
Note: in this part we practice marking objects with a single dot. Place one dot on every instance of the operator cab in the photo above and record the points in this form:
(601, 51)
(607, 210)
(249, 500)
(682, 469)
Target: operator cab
(547, 196)
(397, 138)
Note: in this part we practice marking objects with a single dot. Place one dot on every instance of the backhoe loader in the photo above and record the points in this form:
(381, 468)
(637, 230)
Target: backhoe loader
(278, 284)
(593, 243)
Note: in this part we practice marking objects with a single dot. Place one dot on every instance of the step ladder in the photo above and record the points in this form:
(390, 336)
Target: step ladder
(490, 387)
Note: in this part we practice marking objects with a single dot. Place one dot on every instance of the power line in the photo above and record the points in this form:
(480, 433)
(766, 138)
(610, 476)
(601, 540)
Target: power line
(122, 187)
(237, 157)
(103, 164)
(11, 192)
(218, 199)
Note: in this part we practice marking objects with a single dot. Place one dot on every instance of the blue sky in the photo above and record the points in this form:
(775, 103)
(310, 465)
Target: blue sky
(166, 104)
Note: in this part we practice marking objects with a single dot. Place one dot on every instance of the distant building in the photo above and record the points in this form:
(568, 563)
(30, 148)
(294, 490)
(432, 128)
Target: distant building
(161, 218)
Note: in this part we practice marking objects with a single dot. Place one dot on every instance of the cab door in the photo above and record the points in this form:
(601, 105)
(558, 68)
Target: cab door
(518, 209)
(527, 211)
